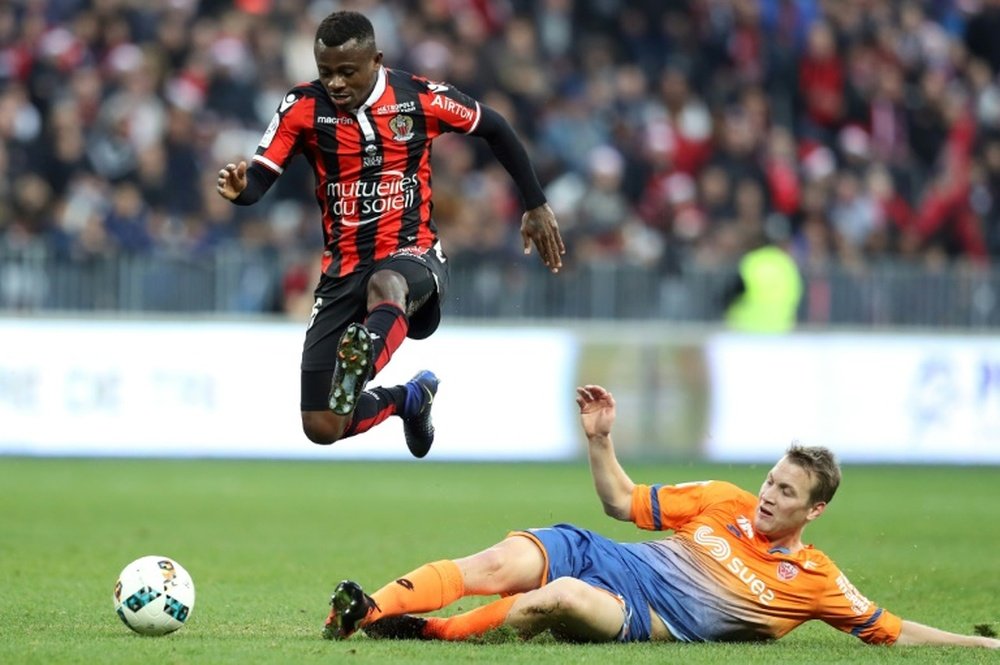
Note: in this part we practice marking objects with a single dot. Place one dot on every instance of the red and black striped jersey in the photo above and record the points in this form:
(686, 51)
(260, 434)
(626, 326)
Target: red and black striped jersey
(372, 165)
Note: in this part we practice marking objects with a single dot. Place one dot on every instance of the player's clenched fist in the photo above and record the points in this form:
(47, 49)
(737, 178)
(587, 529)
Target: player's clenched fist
(232, 180)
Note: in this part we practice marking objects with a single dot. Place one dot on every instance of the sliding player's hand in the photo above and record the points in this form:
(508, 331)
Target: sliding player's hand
(232, 180)
(539, 225)
(597, 410)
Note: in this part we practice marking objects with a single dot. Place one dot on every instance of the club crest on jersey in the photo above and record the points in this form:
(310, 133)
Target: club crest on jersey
(787, 571)
(372, 156)
(402, 128)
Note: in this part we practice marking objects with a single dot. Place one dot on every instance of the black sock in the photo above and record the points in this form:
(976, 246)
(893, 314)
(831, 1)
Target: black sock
(374, 406)
(388, 325)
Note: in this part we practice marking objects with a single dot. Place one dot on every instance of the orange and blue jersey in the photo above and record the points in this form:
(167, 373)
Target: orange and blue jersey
(715, 578)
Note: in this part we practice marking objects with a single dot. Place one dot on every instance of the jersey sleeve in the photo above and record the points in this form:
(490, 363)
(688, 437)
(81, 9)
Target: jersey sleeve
(281, 140)
(660, 507)
(844, 607)
(454, 110)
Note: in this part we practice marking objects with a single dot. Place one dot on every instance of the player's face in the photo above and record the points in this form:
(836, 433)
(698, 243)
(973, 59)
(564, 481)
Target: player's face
(783, 505)
(347, 72)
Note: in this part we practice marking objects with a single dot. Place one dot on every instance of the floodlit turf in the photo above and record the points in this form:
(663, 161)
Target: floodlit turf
(267, 541)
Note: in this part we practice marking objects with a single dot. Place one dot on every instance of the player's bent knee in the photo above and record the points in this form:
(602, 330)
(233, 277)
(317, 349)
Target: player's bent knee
(322, 427)
(552, 607)
(490, 562)
(565, 596)
(573, 610)
(387, 285)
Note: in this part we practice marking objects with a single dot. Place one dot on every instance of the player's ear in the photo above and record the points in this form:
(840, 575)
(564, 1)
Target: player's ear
(816, 510)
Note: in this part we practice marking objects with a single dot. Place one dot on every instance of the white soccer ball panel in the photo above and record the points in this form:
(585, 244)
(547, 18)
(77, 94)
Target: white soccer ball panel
(154, 595)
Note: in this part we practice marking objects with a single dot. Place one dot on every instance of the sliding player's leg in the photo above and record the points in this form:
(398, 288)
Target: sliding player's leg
(569, 608)
(511, 566)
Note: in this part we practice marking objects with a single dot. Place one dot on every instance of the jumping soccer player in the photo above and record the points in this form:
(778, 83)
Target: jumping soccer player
(735, 568)
(367, 131)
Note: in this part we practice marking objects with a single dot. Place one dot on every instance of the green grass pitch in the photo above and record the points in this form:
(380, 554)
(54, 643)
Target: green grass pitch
(266, 541)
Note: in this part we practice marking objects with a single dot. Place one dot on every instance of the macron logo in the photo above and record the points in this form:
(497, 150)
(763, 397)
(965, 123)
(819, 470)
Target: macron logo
(287, 102)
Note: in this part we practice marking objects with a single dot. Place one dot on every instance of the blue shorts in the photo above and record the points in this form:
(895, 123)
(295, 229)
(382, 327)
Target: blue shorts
(601, 563)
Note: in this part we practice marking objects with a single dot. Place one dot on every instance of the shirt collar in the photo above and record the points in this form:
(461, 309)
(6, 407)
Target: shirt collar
(377, 91)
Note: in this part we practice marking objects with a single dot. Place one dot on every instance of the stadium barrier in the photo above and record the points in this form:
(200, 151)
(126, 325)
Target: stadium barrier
(120, 387)
(239, 280)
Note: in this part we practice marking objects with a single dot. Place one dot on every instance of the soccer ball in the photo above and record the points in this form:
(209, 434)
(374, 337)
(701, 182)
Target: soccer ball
(154, 595)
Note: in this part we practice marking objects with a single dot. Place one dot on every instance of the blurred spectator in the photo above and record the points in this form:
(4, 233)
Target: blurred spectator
(854, 213)
(821, 83)
(602, 212)
(781, 170)
(765, 293)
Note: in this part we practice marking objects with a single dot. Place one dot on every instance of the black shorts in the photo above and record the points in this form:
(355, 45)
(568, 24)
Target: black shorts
(341, 301)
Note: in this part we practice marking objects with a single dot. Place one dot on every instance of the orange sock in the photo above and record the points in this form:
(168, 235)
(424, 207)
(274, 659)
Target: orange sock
(430, 587)
(472, 623)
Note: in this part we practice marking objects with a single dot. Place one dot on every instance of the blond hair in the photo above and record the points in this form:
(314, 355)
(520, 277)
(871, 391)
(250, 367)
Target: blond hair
(822, 464)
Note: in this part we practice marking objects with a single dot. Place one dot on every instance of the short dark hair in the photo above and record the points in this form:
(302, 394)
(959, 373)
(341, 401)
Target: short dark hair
(341, 27)
(822, 464)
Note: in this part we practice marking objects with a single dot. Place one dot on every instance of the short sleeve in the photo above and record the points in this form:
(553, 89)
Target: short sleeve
(454, 110)
(660, 507)
(281, 139)
(845, 608)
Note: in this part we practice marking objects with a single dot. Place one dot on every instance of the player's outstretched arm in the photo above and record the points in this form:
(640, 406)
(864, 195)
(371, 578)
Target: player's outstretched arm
(613, 485)
(539, 226)
(915, 634)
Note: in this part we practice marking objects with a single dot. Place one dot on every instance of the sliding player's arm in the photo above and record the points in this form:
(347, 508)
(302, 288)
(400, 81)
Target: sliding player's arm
(842, 606)
(914, 633)
(613, 485)
(653, 507)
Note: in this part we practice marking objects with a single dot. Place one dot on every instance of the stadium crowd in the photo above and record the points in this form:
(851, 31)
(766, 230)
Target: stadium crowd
(667, 133)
